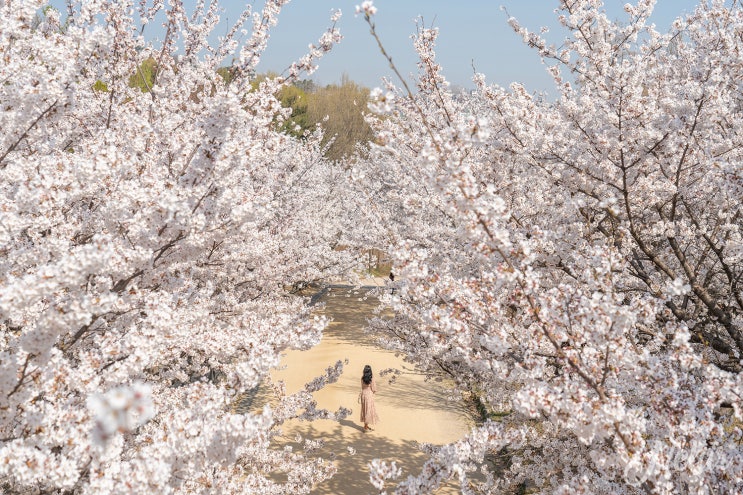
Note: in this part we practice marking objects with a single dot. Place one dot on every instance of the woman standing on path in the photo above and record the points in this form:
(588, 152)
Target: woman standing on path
(368, 389)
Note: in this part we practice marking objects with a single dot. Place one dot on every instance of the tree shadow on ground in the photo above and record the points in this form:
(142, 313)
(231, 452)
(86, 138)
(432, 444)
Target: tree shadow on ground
(409, 394)
(350, 310)
(352, 476)
(417, 395)
(411, 409)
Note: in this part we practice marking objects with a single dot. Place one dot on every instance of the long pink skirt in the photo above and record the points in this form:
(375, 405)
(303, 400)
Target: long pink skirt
(368, 410)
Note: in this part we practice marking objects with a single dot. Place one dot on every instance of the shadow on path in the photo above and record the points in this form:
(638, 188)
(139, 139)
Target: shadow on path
(353, 472)
(412, 410)
(350, 310)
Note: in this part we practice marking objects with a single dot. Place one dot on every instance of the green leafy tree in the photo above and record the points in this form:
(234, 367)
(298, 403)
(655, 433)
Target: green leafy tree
(306, 85)
(338, 108)
(344, 105)
(227, 73)
(298, 100)
(100, 86)
(144, 78)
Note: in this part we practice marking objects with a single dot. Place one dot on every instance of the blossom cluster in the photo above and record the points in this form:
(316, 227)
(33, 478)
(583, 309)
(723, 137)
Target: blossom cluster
(151, 232)
(367, 8)
(122, 410)
(571, 263)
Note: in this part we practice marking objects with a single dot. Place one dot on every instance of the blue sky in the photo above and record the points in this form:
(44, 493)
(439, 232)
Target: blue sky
(471, 31)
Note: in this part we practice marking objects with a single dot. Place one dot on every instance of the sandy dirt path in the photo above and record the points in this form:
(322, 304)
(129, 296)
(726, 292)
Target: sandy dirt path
(411, 410)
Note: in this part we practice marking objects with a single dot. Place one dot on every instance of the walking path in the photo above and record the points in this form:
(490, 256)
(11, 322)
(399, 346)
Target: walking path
(411, 409)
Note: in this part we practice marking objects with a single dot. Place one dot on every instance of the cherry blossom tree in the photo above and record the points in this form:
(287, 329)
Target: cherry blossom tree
(574, 263)
(149, 238)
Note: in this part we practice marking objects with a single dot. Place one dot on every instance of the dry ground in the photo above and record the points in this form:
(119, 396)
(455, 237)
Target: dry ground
(412, 410)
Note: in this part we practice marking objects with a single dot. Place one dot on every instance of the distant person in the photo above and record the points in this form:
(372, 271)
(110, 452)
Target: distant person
(392, 277)
(368, 389)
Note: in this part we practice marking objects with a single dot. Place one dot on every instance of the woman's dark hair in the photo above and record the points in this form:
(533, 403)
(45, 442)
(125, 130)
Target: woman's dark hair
(367, 376)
